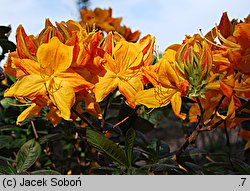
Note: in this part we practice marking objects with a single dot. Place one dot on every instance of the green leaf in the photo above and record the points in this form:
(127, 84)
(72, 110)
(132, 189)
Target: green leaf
(45, 172)
(50, 137)
(7, 170)
(154, 116)
(215, 167)
(17, 143)
(105, 170)
(164, 167)
(27, 155)
(129, 144)
(241, 166)
(5, 140)
(110, 148)
(6, 102)
(10, 128)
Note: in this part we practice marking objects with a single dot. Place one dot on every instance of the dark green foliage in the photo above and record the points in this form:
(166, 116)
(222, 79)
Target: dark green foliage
(110, 148)
(5, 44)
(27, 155)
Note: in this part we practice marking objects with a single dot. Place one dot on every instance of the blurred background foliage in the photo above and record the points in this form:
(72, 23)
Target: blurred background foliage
(145, 144)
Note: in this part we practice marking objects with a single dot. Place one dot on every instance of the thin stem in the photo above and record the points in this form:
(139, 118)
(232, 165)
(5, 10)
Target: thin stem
(189, 140)
(214, 125)
(92, 155)
(34, 129)
(105, 111)
(195, 133)
(203, 127)
(226, 133)
(83, 118)
(200, 106)
(122, 121)
(217, 107)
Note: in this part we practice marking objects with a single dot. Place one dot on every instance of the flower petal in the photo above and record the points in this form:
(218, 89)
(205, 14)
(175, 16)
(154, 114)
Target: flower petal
(92, 107)
(230, 111)
(147, 47)
(167, 74)
(28, 86)
(63, 98)
(53, 116)
(11, 70)
(54, 57)
(129, 88)
(29, 112)
(127, 55)
(27, 66)
(105, 86)
(157, 96)
(176, 105)
(76, 81)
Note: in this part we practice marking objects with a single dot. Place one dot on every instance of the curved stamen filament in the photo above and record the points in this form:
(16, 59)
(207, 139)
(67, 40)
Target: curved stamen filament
(231, 45)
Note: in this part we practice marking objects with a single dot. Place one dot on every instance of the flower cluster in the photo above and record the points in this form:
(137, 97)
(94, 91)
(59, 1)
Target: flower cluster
(102, 19)
(74, 62)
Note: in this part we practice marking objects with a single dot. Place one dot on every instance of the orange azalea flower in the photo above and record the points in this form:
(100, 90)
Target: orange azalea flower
(234, 38)
(122, 71)
(85, 59)
(128, 34)
(49, 77)
(242, 34)
(170, 88)
(100, 18)
(183, 71)
(148, 70)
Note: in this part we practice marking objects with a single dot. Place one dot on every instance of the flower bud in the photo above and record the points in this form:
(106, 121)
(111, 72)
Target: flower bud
(26, 47)
(194, 60)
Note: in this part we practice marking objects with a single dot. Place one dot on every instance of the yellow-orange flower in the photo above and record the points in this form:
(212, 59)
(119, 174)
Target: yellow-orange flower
(170, 87)
(49, 77)
(122, 72)
(102, 19)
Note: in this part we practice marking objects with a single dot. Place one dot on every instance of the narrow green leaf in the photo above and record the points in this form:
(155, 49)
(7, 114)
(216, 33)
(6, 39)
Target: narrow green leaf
(241, 166)
(216, 165)
(164, 167)
(5, 140)
(27, 155)
(105, 170)
(50, 137)
(7, 170)
(153, 116)
(129, 144)
(8, 127)
(45, 172)
(110, 148)
(17, 143)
